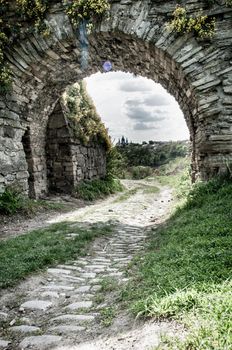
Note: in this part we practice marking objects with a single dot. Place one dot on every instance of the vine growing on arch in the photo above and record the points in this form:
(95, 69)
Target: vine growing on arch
(33, 13)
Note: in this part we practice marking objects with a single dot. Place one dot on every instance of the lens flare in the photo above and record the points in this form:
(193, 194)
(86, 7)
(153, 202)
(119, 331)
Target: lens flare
(107, 66)
(84, 45)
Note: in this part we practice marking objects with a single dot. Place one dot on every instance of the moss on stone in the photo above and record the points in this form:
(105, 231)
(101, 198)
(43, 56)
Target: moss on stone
(30, 15)
(202, 25)
(84, 121)
(79, 10)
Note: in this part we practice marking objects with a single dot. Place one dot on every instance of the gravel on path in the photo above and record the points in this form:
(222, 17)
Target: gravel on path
(68, 306)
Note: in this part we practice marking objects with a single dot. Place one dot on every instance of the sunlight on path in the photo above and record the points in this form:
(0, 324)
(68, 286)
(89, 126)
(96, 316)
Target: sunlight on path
(140, 209)
(74, 303)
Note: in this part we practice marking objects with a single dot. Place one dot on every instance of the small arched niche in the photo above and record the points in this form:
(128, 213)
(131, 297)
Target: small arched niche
(26, 142)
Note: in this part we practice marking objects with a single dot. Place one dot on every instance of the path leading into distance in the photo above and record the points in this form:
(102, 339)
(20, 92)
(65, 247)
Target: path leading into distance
(69, 306)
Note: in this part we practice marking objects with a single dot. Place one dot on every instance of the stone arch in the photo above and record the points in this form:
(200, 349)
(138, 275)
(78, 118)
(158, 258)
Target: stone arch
(197, 73)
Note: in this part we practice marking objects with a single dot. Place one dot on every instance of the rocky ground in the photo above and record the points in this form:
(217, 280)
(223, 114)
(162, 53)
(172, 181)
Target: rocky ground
(74, 306)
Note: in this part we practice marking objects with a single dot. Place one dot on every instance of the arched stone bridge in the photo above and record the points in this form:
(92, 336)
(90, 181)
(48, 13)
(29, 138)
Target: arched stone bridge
(198, 73)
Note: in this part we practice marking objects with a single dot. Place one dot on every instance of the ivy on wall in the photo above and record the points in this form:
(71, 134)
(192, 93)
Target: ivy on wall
(32, 13)
(83, 118)
(5, 32)
(202, 26)
(79, 10)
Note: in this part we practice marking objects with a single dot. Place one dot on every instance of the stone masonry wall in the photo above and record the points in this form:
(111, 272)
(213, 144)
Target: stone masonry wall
(198, 73)
(89, 162)
(69, 161)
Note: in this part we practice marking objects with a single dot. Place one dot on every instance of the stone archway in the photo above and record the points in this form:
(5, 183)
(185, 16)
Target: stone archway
(197, 73)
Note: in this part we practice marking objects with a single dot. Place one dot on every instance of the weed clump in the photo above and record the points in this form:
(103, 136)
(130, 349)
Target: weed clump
(10, 202)
(202, 26)
(99, 188)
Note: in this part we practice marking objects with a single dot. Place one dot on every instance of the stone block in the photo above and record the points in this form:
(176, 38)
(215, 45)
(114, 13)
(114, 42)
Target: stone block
(4, 344)
(80, 305)
(22, 175)
(42, 305)
(39, 342)
(24, 329)
(228, 89)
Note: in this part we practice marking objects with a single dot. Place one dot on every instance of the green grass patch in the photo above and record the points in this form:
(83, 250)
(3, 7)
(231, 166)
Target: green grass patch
(107, 315)
(186, 273)
(150, 189)
(38, 249)
(13, 202)
(108, 284)
(99, 188)
(176, 174)
(127, 194)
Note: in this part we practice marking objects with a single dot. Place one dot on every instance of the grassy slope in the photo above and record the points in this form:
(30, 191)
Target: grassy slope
(186, 274)
(38, 249)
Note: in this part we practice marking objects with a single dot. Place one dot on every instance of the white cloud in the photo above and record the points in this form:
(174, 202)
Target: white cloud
(144, 126)
(157, 100)
(135, 84)
(136, 107)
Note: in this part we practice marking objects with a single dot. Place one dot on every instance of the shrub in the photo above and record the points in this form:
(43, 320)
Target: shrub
(153, 154)
(116, 163)
(99, 188)
(202, 25)
(140, 172)
(80, 10)
(10, 201)
(82, 115)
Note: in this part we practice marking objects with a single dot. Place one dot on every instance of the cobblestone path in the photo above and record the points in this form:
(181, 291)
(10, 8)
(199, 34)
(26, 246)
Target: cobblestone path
(67, 305)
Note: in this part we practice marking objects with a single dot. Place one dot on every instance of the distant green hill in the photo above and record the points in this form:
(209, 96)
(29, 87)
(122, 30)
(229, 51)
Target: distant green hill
(153, 153)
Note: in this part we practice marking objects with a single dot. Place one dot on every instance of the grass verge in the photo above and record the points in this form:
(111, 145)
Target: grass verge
(99, 188)
(38, 249)
(177, 175)
(186, 273)
(12, 202)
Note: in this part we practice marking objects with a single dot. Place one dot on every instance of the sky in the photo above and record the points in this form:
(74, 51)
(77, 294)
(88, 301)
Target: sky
(136, 108)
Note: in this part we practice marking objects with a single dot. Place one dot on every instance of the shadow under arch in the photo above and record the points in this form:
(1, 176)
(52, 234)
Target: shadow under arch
(26, 142)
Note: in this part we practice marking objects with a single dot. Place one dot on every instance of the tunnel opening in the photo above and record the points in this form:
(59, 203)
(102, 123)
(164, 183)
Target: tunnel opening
(141, 112)
(158, 67)
(136, 107)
